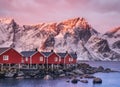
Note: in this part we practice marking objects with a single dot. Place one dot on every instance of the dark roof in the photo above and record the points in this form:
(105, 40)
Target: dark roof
(46, 53)
(73, 55)
(3, 49)
(62, 54)
(28, 53)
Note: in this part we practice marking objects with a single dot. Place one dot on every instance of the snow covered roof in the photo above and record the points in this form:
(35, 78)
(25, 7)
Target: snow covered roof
(62, 54)
(46, 53)
(73, 55)
(28, 53)
(3, 49)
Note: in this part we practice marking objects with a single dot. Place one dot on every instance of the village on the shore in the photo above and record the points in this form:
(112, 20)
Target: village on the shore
(45, 65)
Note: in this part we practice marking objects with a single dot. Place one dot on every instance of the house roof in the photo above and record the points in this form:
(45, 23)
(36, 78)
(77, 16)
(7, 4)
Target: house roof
(46, 53)
(3, 49)
(62, 54)
(73, 55)
(28, 53)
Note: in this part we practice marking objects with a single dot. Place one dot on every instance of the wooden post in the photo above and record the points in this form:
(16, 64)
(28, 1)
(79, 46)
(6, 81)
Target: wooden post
(42, 66)
(47, 64)
(1, 67)
(57, 66)
(64, 63)
(28, 66)
(30, 62)
(19, 67)
(36, 66)
(9, 66)
(52, 66)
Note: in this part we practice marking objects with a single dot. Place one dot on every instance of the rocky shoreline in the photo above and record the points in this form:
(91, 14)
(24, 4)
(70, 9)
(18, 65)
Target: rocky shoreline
(81, 70)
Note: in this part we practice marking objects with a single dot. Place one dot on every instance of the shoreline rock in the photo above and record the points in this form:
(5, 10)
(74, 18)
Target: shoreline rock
(74, 81)
(48, 77)
(82, 69)
(97, 81)
(84, 81)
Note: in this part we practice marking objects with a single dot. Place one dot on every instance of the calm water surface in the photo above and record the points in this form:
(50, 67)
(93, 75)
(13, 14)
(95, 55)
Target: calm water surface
(109, 79)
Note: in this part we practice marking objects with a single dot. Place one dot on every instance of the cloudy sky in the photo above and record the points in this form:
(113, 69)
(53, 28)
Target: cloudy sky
(103, 15)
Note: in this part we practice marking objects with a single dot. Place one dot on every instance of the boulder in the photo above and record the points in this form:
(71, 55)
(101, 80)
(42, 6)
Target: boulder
(100, 69)
(97, 81)
(2, 75)
(107, 70)
(9, 75)
(67, 81)
(70, 74)
(60, 71)
(84, 81)
(88, 76)
(62, 75)
(77, 71)
(48, 77)
(74, 81)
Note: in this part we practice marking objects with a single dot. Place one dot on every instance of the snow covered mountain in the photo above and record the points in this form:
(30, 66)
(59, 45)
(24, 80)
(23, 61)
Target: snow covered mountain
(113, 38)
(73, 35)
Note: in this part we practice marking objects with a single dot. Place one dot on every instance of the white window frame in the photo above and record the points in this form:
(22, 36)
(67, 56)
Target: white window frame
(26, 59)
(71, 59)
(41, 58)
(5, 57)
(56, 59)
(59, 59)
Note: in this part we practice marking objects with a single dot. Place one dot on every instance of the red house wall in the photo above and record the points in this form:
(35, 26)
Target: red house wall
(62, 61)
(74, 60)
(26, 62)
(36, 58)
(14, 57)
(67, 59)
(51, 59)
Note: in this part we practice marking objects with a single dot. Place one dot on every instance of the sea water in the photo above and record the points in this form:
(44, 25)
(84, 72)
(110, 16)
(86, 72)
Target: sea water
(108, 79)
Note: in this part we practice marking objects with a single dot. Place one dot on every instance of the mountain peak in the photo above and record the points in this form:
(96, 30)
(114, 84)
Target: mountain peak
(75, 20)
(114, 30)
(6, 20)
(78, 22)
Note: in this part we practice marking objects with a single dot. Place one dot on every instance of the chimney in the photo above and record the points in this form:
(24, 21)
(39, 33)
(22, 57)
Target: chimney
(36, 49)
(52, 50)
(66, 52)
(75, 53)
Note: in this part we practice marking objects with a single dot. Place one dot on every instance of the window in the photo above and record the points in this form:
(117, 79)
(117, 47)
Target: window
(59, 59)
(41, 58)
(56, 59)
(26, 59)
(71, 59)
(5, 57)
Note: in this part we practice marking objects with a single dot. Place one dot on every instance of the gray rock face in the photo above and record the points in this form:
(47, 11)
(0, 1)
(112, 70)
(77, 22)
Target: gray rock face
(116, 45)
(73, 35)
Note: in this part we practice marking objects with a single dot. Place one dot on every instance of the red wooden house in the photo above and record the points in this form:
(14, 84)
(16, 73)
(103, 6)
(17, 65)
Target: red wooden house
(10, 56)
(74, 58)
(52, 59)
(67, 59)
(62, 56)
(33, 58)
